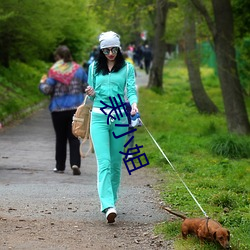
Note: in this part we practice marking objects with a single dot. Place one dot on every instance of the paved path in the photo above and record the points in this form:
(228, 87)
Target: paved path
(26, 163)
(29, 189)
(141, 78)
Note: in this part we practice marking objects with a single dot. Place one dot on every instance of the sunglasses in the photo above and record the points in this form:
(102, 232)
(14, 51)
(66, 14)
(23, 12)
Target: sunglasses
(106, 51)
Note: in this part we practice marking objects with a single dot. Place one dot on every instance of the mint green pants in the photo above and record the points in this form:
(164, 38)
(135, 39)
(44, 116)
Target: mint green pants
(109, 160)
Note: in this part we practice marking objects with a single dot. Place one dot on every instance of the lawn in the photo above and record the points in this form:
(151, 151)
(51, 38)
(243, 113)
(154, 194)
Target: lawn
(199, 151)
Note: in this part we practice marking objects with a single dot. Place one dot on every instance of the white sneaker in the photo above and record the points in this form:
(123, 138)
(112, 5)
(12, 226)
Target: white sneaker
(111, 214)
(58, 171)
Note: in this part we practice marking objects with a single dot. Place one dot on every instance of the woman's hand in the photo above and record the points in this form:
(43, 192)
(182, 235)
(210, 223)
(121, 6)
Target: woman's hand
(43, 79)
(134, 109)
(90, 91)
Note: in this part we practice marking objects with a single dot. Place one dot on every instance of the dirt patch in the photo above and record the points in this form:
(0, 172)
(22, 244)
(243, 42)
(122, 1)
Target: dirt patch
(50, 234)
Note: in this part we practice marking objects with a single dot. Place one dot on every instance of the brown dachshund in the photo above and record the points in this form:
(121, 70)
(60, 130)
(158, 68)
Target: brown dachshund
(204, 229)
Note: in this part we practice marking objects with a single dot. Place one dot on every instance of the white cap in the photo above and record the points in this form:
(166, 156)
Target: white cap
(109, 39)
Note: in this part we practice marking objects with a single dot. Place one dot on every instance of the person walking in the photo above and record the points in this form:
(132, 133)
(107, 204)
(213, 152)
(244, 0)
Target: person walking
(65, 83)
(147, 54)
(108, 78)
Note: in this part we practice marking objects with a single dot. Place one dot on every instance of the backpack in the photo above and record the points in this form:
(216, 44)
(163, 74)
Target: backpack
(81, 126)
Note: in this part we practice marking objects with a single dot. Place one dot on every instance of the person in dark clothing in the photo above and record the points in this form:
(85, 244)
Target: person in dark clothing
(138, 56)
(65, 83)
(147, 54)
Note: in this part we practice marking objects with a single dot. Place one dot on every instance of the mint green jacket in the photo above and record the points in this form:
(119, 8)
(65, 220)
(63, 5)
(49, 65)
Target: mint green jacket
(112, 84)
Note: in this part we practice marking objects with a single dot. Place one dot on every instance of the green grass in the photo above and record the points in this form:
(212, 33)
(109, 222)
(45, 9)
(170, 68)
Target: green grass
(214, 164)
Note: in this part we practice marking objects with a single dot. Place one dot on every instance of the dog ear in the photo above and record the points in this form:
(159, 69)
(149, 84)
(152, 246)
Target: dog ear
(228, 237)
(214, 235)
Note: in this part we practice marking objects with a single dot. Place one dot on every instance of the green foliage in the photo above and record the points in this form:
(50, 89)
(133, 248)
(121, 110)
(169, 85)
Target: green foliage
(175, 25)
(29, 33)
(231, 146)
(128, 18)
(219, 183)
(243, 59)
(241, 17)
(175, 28)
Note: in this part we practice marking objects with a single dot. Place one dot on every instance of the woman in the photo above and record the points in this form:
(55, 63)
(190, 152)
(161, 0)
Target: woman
(65, 83)
(109, 76)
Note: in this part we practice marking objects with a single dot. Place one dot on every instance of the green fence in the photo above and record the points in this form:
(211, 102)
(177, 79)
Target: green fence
(208, 58)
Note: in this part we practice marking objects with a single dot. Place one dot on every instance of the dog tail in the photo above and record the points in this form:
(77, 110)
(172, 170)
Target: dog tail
(175, 213)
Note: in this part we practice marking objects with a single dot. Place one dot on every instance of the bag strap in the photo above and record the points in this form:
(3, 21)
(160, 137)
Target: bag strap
(85, 99)
(87, 137)
(90, 149)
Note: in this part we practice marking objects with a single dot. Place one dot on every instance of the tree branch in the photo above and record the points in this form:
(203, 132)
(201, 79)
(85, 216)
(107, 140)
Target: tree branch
(202, 9)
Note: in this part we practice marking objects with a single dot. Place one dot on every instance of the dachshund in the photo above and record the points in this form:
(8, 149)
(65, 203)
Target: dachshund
(204, 229)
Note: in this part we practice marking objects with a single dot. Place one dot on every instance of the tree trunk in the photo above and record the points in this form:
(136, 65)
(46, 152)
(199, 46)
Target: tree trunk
(223, 38)
(235, 109)
(201, 99)
(159, 47)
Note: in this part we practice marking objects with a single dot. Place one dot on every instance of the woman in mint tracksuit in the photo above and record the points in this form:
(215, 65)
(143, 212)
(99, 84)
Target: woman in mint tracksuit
(109, 76)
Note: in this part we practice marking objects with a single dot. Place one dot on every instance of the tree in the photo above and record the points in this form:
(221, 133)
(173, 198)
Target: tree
(159, 46)
(201, 99)
(28, 33)
(223, 38)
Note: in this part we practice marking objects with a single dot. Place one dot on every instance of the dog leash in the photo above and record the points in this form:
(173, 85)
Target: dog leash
(174, 170)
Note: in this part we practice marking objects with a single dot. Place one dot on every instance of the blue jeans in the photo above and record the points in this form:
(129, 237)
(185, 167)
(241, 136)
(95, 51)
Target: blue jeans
(108, 156)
